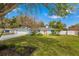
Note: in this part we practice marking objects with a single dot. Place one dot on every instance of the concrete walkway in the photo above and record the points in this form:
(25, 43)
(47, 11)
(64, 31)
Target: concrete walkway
(5, 37)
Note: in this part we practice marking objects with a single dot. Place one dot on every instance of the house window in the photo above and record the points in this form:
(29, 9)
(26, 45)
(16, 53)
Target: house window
(6, 30)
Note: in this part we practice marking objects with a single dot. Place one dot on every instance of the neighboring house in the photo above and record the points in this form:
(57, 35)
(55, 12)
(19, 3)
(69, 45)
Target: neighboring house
(9, 31)
(22, 30)
(75, 29)
(68, 32)
(18, 31)
(72, 30)
(45, 30)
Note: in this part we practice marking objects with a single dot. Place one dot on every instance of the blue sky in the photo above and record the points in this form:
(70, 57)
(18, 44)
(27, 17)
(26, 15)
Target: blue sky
(41, 14)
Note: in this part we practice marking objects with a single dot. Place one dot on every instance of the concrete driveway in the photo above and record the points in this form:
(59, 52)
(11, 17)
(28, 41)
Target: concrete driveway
(5, 37)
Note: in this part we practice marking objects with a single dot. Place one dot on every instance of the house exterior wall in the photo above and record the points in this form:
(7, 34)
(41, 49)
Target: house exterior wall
(72, 32)
(45, 32)
(68, 32)
(20, 30)
(62, 33)
(24, 32)
(42, 32)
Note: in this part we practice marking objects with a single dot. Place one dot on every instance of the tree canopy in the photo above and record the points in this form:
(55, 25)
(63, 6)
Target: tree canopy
(57, 25)
(60, 9)
(6, 8)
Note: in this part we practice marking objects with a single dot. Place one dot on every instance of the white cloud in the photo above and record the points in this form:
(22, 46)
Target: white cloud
(14, 10)
(54, 16)
(69, 11)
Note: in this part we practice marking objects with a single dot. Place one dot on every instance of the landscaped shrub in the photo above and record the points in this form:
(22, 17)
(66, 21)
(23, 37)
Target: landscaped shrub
(55, 32)
(36, 34)
(33, 33)
(2, 46)
(16, 50)
(39, 34)
(25, 50)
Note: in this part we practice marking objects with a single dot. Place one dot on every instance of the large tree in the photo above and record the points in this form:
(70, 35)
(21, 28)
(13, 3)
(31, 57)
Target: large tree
(4, 9)
(57, 25)
(26, 21)
(60, 9)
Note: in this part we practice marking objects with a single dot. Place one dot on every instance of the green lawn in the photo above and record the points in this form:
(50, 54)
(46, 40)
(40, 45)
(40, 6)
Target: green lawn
(47, 45)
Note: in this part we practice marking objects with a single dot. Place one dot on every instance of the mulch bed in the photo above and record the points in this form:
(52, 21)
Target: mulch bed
(12, 50)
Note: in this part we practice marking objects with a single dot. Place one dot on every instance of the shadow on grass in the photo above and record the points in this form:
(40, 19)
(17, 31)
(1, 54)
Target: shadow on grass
(12, 50)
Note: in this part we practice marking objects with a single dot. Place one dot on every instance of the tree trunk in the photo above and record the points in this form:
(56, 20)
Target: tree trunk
(3, 27)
